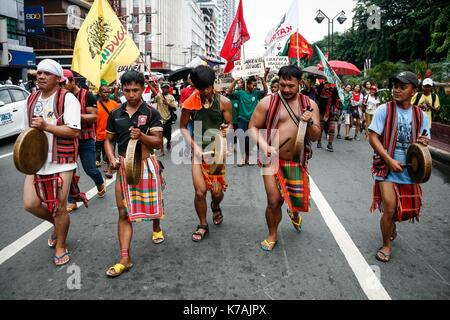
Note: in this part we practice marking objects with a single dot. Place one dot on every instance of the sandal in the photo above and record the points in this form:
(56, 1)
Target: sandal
(382, 256)
(217, 215)
(202, 235)
(71, 207)
(394, 233)
(59, 260)
(117, 269)
(101, 193)
(158, 237)
(297, 225)
(52, 239)
(267, 245)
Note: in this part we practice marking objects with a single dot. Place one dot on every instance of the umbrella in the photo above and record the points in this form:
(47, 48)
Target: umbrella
(343, 68)
(211, 61)
(314, 70)
(179, 74)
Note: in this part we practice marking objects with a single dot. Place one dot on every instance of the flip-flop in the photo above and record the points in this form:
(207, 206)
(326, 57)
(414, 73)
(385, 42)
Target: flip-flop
(56, 258)
(297, 225)
(394, 233)
(158, 237)
(52, 239)
(386, 256)
(267, 245)
(118, 269)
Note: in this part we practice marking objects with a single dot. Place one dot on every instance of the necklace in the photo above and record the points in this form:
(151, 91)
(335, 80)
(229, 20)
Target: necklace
(207, 104)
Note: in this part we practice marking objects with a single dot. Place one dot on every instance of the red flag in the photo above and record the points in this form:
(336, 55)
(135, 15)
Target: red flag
(237, 35)
(299, 48)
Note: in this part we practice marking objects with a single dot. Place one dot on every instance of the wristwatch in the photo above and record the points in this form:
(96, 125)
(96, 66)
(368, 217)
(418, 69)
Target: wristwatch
(310, 122)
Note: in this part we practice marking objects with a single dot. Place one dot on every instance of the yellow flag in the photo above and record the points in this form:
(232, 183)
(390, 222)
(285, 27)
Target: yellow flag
(102, 44)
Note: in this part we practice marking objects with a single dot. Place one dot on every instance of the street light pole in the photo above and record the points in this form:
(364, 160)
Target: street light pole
(340, 18)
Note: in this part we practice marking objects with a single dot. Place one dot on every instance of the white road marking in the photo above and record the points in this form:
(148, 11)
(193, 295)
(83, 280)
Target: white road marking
(367, 279)
(29, 237)
(6, 155)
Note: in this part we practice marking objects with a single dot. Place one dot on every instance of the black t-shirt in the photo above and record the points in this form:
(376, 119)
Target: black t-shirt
(146, 118)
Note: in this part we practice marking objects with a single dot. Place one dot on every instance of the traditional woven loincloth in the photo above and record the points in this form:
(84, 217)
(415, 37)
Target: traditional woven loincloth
(47, 187)
(409, 201)
(75, 192)
(293, 183)
(144, 201)
(211, 179)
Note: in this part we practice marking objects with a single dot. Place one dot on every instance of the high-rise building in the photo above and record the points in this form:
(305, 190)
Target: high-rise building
(211, 14)
(219, 15)
(181, 29)
(15, 55)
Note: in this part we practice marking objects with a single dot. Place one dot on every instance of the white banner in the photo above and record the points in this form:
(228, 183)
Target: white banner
(276, 62)
(280, 34)
(223, 80)
(248, 67)
(139, 67)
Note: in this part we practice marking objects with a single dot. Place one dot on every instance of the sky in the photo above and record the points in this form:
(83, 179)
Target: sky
(262, 15)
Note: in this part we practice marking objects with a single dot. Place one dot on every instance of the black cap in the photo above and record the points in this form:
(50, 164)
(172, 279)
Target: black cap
(405, 77)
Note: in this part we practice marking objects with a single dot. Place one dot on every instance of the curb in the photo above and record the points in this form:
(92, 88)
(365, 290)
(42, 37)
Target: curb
(439, 154)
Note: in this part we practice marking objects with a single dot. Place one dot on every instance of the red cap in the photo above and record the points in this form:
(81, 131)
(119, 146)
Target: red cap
(67, 74)
(374, 87)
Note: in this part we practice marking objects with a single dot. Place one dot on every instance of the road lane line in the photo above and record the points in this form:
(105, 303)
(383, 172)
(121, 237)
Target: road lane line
(6, 155)
(29, 237)
(35, 233)
(367, 279)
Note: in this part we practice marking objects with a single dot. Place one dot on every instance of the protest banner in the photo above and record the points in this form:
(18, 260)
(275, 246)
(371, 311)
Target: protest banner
(139, 67)
(223, 80)
(248, 67)
(276, 62)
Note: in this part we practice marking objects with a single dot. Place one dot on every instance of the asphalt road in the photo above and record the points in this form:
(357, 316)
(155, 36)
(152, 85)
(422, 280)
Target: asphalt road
(324, 261)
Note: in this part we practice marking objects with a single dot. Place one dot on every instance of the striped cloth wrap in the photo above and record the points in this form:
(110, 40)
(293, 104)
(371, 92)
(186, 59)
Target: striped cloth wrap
(144, 201)
(293, 182)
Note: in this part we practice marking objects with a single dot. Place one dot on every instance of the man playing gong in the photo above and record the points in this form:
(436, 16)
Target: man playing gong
(56, 112)
(394, 127)
(213, 112)
(286, 177)
(135, 120)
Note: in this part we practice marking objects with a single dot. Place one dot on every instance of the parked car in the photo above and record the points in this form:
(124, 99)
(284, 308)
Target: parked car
(13, 106)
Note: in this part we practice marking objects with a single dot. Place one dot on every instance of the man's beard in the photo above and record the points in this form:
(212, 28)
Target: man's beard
(290, 96)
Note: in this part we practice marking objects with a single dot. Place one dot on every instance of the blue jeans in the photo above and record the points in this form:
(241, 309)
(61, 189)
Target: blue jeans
(86, 151)
(243, 124)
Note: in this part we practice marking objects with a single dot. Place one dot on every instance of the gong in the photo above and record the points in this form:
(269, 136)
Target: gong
(300, 140)
(133, 162)
(219, 153)
(30, 151)
(419, 162)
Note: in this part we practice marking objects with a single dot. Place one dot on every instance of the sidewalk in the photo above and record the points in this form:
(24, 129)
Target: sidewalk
(439, 144)
(440, 150)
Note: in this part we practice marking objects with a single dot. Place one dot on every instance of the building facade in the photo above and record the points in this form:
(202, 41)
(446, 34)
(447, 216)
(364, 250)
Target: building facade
(15, 56)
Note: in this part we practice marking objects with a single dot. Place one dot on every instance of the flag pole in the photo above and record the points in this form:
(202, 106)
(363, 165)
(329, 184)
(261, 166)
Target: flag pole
(298, 51)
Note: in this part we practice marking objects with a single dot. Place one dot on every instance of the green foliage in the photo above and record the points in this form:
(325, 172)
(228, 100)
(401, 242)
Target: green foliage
(443, 115)
(410, 30)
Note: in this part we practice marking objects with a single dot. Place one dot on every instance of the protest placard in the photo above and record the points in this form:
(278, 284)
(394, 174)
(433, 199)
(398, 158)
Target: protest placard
(223, 80)
(276, 62)
(248, 67)
(139, 67)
